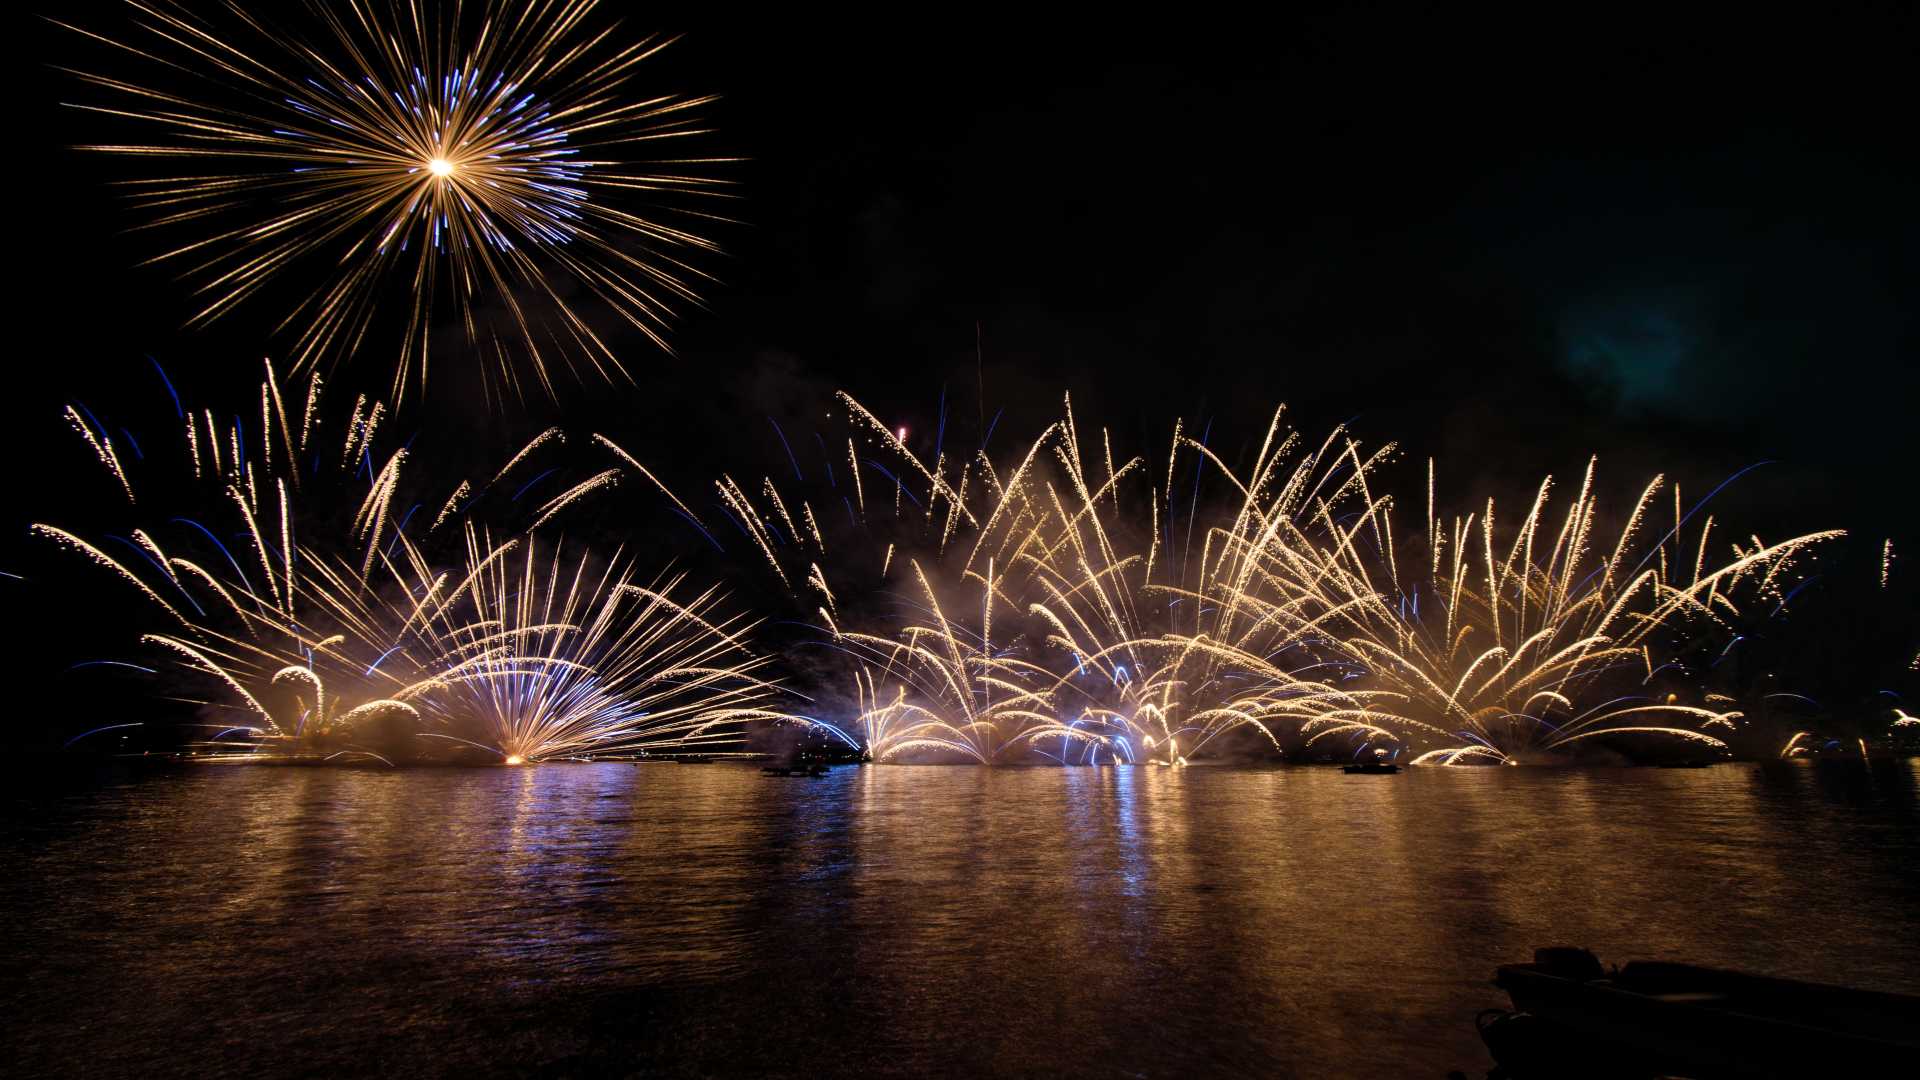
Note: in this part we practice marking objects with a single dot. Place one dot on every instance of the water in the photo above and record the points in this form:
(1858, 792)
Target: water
(899, 921)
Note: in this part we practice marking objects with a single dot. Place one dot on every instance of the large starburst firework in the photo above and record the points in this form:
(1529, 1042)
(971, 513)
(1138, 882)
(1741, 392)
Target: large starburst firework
(488, 165)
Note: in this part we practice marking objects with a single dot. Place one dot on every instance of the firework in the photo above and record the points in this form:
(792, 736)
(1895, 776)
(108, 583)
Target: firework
(359, 639)
(480, 165)
(1039, 619)
(1044, 615)
(1060, 605)
(1507, 641)
(553, 659)
(1167, 644)
(293, 637)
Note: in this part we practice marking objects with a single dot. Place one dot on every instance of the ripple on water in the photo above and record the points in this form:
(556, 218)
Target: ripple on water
(903, 920)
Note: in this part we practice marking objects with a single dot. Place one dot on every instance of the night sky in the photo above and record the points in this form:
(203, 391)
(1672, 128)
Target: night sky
(1685, 247)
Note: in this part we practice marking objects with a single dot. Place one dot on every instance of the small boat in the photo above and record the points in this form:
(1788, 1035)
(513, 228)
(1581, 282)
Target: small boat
(1661, 1018)
(1371, 768)
(1689, 764)
(694, 759)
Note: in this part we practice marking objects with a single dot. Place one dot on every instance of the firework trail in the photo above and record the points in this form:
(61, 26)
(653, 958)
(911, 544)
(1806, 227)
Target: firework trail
(1059, 605)
(293, 638)
(322, 647)
(1035, 618)
(1041, 617)
(1517, 639)
(485, 162)
(1168, 645)
(554, 659)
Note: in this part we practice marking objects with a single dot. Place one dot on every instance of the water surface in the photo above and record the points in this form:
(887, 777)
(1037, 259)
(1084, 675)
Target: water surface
(901, 921)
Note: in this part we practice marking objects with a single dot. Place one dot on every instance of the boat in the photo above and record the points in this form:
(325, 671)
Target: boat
(694, 759)
(1665, 1018)
(1688, 764)
(1370, 768)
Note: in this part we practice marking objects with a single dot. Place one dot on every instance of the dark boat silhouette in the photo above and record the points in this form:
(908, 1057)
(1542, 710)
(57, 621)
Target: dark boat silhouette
(1661, 1018)
(694, 759)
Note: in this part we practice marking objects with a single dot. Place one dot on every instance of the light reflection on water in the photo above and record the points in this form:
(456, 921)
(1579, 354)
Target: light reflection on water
(899, 920)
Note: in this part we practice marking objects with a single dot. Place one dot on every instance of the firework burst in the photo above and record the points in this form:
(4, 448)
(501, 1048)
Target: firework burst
(1062, 605)
(554, 659)
(1086, 608)
(1515, 640)
(352, 637)
(1038, 615)
(483, 163)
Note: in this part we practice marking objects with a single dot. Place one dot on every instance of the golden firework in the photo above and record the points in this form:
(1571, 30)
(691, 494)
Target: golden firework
(1053, 608)
(325, 641)
(490, 165)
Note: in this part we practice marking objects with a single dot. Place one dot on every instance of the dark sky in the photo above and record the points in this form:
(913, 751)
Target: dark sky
(1684, 246)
